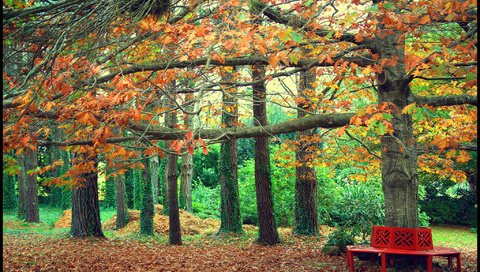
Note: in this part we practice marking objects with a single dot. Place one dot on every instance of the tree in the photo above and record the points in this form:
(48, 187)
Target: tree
(138, 180)
(9, 199)
(172, 187)
(388, 63)
(121, 202)
(31, 187)
(268, 233)
(306, 222)
(146, 214)
(110, 198)
(155, 177)
(129, 185)
(187, 167)
(228, 180)
(85, 204)
(21, 185)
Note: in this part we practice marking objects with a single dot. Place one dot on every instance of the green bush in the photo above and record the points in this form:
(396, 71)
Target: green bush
(206, 201)
(447, 202)
(341, 237)
(360, 207)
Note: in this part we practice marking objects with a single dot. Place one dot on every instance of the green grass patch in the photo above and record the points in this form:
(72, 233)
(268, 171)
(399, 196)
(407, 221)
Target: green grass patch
(454, 236)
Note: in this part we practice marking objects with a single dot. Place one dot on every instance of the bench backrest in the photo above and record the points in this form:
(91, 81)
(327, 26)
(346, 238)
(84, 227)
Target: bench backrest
(402, 238)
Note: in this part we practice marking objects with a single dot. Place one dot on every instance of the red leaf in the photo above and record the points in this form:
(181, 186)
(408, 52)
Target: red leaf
(205, 150)
(190, 149)
(189, 135)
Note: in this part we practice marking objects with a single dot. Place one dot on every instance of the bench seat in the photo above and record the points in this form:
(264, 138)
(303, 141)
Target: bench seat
(385, 252)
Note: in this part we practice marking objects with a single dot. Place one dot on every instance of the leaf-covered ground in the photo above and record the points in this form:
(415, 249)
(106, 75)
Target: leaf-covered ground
(44, 247)
(36, 252)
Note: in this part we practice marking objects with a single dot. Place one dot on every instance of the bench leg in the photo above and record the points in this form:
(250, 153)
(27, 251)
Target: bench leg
(459, 264)
(429, 263)
(384, 262)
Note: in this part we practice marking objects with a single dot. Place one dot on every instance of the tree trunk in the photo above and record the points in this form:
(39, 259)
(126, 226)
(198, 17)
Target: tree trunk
(155, 177)
(306, 222)
(85, 208)
(31, 188)
(230, 202)
(166, 202)
(146, 214)
(120, 197)
(172, 186)
(187, 166)
(21, 185)
(186, 182)
(268, 234)
(399, 157)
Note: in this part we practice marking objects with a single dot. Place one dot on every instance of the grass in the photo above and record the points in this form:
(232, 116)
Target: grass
(454, 236)
(48, 217)
(449, 236)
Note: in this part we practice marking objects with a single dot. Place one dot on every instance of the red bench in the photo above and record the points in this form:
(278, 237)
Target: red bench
(393, 241)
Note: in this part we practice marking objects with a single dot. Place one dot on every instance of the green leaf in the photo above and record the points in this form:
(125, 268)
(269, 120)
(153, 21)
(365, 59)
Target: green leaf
(389, 6)
(296, 37)
(387, 116)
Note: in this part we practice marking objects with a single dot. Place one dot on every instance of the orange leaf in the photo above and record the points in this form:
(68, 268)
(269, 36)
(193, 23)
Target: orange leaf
(189, 135)
(190, 149)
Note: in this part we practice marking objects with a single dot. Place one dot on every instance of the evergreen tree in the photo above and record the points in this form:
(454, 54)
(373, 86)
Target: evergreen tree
(137, 189)
(129, 184)
(146, 214)
(109, 201)
(9, 199)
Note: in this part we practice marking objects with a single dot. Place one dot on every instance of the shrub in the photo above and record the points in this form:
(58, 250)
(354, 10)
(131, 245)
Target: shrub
(206, 201)
(447, 202)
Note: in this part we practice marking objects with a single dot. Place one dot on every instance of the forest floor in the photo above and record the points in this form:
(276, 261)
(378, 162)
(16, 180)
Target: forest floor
(43, 247)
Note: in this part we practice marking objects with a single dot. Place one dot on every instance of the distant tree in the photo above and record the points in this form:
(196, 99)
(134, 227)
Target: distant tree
(31, 187)
(146, 213)
(129, 185)
(109, 200)
(21, 177)
(137, 189)
(9, 198)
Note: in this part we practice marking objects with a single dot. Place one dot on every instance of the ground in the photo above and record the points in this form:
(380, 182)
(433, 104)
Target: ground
(42, 247)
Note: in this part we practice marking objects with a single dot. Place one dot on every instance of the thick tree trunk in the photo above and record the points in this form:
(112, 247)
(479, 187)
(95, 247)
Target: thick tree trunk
(31, 188)
(306, 222)
(230, 201)
(146, 214)
(399, 158)
(172, 186)
(155, 176)
(85, 208)
(21, 185)
(268, 234)
(166, 202)
(121, 201)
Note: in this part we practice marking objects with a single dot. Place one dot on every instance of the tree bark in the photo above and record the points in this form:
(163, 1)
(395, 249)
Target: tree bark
(155, 177)
(399, 156)
(230, 201)
(306, 222)
(21, 185)
(186, 182)
(31, 188)
(121, 201)
(175, 235)
(85, 208)
(268, 234)
(146, 214)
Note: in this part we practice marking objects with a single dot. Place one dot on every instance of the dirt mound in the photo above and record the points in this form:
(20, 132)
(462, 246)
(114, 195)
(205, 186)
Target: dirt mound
(65, 220)
(190, 224)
